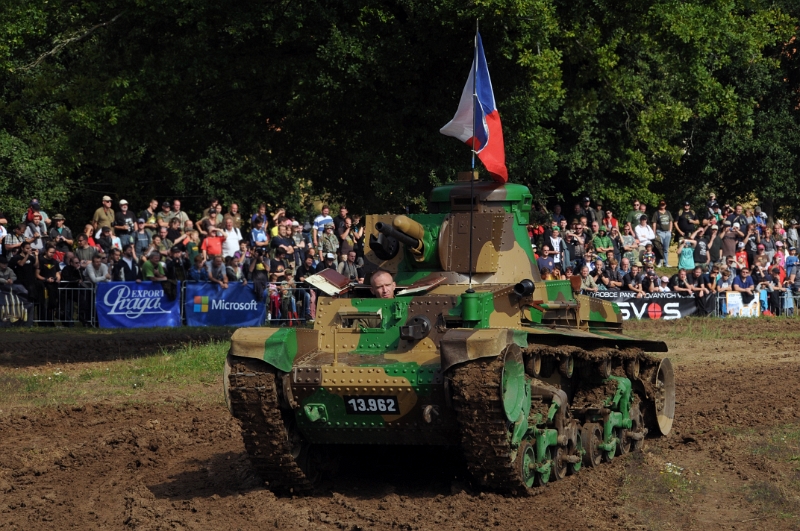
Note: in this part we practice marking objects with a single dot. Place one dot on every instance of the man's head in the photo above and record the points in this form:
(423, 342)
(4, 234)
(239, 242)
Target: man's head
(83, 242)
(175, 224)
(612, 263)
(165, 206)
(123, 205)
(115, 254)
(329, 258)
(585, 271)
(176, 205)
(662, 204)
(234, 208)
(3, 262)
(326, 210)
(309, 261)
(49, 250)
(382, 284)
(282, 231)
(259, 222)
(96, 259)
(127, 250)
(351, 257)
(154, 257)
(228, 223)
(739, 210)
(153, 205)
(105, 232)
(634, 270)
(343, 211)
(687, 205)
(642, 220)
(557, 209)
(596, 227)
(744, 272)
(106, 201)
(59, 219)
(625, 264)
(199, 261)
(217, 260)
(162, 231)
(682, 274)
(175, 252)
(698, 272)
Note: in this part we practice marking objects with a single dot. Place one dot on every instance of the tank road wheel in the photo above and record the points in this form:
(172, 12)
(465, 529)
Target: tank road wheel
(567, 366)
(535, 365)
(592, 436)
(623, 441)
(632, 369)
(635, 435)
(277, 451)
(560, 466)
(604, 368)
(526, 461)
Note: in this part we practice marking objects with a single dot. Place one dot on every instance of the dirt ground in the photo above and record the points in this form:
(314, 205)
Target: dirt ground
(171, 463)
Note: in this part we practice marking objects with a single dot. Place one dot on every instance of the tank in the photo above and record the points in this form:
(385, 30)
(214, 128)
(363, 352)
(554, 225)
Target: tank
(531, 380)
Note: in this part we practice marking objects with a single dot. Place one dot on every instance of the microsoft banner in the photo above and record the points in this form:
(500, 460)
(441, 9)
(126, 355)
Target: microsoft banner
(135, 305)
(208, 304)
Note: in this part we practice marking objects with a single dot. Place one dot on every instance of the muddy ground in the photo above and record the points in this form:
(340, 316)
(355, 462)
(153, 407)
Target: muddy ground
(169, 463)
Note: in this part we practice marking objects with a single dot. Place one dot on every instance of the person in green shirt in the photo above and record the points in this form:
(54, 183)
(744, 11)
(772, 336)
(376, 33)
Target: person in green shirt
(602, 243)
(152, 268)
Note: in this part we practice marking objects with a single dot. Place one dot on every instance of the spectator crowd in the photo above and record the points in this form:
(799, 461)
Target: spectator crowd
(41, 255)
(718, 248)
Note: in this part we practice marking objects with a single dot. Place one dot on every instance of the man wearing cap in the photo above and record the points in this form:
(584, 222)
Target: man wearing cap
(687, 221)
(663, 224)
(103, 216)
(792, 236)
(123, 223)
(33, 208)
(714, 245)
(60, 235)
(589, 212)
(164, 215)
(327, 263)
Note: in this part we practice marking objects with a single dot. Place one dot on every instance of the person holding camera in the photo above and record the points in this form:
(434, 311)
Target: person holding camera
(60, 235)
(349, 268)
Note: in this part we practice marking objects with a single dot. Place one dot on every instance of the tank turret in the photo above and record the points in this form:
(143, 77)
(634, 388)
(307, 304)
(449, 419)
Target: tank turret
(528, 378)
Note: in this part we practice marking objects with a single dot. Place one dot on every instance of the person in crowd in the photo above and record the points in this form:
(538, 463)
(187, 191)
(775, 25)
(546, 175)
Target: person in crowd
(602, 243)
(339, 223)
(347, 237)
(103, 216)
(701, 255)
(105, 241)
(697, 284)
(768, 241)
(127, 269)
(587, 282)
(611, 277)
(178, 266)
(258, 236)
(741, 256)
(216, 271)
(545, 259)
(97, 271)
(7, 275)
(35, 208)
(792, 236)
(350, 269)
(761, 259)
(193, 246)
(88, 230)
(737, 216)
(123, 223)
(327, 263)
(233, 214)
(49, 276)
(751, 240)
(35, 233)
(648, 257)
(153, 269)
(199, 271)
(176, 212)
(644, 233)
(164, 243)
(779, 257)
(650, 281)
(686, 253)
(14, 240)
(679, 283)
(556, 216)
(329, 241)
(687, 221)
(25, 264)
(714, 246)
(141, 239)
(320, 222)
(744, 284)
(60, 235)
(163, 216)
(84, 251)
(232, 238)
(149, 214)
(791, 261)
(212, 245)
(725, 282)
(609, 221)
(116, 243)
(632, 281)
(300, 243)
(234, 272)
(283, 241)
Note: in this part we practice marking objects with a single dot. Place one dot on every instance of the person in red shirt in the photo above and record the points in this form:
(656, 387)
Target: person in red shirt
(212, 245)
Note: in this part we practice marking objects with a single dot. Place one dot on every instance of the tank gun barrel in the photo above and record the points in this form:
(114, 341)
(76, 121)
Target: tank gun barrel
(404, 230)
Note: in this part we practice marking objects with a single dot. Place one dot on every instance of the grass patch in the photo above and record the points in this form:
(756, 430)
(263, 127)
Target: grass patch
(181, 369)
(780, 446)
(715, 328)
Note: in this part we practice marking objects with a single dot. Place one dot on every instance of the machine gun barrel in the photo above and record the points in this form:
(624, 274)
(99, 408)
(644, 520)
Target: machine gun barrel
(400, 236)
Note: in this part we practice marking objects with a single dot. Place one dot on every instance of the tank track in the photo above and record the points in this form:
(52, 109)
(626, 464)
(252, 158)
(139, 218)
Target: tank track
(255, 402)
(485, 438)
(485, 431)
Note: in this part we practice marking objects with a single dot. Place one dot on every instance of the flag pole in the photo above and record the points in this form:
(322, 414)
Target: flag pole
(472, 176)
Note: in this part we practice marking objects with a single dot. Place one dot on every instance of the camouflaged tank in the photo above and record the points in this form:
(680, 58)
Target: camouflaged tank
(530, 380)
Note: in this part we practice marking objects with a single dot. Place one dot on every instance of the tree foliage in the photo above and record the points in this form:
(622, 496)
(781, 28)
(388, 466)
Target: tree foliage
(286, 101)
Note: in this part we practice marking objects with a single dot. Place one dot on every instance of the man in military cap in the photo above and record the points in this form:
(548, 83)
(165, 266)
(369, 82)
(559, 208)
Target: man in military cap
(60, 235)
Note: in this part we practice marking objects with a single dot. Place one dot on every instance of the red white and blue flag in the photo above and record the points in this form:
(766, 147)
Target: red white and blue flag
(480, 108)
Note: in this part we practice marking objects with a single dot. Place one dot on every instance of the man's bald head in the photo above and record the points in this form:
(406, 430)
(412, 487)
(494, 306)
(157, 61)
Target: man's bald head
(382, 284)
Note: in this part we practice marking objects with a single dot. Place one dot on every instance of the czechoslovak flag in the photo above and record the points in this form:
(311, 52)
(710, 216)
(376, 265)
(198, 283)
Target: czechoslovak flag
(489, 133)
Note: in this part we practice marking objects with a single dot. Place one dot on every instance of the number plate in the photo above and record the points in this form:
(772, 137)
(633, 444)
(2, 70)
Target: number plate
(371, 405)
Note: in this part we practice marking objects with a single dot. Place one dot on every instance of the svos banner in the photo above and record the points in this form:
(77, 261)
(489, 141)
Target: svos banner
(208, 304)
(665, 305)
(135, 305)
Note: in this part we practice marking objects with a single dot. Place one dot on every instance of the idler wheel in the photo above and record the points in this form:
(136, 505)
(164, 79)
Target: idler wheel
(560, 466)
(567, 366)
(664, 399)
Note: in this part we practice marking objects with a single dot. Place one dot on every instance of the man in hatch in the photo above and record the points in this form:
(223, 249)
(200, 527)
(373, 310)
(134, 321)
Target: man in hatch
(382, 284)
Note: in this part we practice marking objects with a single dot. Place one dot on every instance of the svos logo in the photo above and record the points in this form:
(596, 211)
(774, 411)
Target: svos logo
(651, 310)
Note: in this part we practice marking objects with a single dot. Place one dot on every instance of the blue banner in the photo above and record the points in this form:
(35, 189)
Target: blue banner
(208, 304)
(136, 305)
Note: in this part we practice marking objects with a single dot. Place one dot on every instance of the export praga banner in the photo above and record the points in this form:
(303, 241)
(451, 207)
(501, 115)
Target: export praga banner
(663, 305)
(135, 305)
(208, 304)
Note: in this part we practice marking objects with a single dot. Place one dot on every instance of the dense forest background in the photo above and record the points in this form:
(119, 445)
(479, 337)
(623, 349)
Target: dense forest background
(288, 100)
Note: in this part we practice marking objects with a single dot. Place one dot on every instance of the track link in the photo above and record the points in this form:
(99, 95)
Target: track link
(255, 402)
(485, 435)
